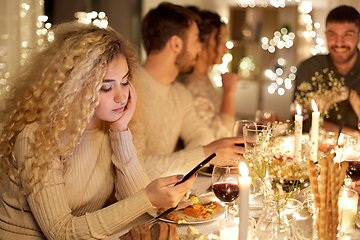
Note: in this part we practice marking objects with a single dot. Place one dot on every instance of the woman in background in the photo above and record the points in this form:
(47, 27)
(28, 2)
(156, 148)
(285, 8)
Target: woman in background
(218, 112)
(65, 146)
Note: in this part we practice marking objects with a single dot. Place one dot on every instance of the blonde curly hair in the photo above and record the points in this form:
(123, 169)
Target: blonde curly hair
(58, 88)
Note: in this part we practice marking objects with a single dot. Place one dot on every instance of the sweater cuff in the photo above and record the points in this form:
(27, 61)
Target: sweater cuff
(194, 154)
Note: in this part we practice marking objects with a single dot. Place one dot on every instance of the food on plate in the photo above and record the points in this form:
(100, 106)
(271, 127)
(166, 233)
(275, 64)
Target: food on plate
(173, 216)
(193, 234)
(193, 212)
(194, 199)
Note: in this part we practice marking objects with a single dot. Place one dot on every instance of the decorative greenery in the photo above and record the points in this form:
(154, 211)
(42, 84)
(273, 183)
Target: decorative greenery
(324, 88)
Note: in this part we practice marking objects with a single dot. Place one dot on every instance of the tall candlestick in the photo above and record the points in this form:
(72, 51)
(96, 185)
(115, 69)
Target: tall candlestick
(314, 131)
(244, 190)
(298, 132)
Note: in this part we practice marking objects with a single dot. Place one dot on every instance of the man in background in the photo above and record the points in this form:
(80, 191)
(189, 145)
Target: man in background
(343, 36)
(165, 111)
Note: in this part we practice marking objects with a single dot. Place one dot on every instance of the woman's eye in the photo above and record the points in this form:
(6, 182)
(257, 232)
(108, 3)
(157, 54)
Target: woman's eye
(127, 82)
(103, 89)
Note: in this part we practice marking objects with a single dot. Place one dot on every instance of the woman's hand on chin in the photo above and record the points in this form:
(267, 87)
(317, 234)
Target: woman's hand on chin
(121, 124)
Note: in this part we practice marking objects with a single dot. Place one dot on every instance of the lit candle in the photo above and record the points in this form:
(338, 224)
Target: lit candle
(348, 202)
(298, 132)
(314, 131)
(244, 188)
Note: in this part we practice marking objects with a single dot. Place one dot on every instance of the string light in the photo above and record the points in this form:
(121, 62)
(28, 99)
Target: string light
(281, 39)
(99, 19)
(264, 3)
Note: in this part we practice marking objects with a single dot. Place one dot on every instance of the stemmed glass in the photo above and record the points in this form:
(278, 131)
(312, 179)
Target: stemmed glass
(351, 154)
(225, 183)
(238, 128)
(256, 138)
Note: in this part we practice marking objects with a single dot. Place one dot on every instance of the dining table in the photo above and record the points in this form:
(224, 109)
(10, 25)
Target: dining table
(301, 226)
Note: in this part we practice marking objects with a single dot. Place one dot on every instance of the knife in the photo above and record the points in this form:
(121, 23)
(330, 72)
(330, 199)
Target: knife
(162, 215)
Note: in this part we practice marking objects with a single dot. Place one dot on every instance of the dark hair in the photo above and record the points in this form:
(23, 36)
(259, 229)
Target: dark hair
(210, 22)
(343, 14)
(163, 22)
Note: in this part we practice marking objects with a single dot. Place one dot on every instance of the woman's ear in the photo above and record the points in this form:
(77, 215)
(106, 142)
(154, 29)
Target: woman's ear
(176, 44)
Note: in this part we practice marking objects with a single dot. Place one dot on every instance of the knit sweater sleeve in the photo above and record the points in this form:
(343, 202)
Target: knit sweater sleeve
(51, 210)
(194, 133)
(179, 162)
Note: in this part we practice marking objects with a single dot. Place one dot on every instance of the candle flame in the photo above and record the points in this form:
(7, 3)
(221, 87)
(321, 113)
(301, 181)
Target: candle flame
(244, 171)
(298, 109)
(313, 105)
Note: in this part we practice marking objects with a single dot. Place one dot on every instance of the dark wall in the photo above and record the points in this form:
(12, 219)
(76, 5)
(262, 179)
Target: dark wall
(123, 15)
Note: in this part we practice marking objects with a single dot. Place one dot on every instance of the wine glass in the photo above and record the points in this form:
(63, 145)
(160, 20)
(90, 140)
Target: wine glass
(256, 138)
(225, 180)
(351, 154)
(238, 128)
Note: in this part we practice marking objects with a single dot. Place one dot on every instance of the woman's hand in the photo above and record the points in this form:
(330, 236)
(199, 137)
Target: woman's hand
(225, 149)
(122, 123)
(162, 193)
(229, 81)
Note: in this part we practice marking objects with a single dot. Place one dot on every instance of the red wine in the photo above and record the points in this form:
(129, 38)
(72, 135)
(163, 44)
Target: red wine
(353, 170)
(226, 192)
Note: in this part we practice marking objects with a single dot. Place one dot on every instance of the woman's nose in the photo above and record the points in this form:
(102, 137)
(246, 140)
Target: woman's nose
(120, 96)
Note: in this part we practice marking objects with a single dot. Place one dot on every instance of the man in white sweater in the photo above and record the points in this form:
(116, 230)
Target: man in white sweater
(165, 111)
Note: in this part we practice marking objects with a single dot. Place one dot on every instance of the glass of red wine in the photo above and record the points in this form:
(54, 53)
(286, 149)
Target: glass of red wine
(351, 154)
(225, 183)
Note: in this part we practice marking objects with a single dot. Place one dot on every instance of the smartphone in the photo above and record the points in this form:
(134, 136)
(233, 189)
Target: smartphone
(195, 169)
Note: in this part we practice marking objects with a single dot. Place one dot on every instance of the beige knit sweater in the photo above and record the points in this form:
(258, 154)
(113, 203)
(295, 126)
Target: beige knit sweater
(207, 102)
(70, 206)
(165, 114)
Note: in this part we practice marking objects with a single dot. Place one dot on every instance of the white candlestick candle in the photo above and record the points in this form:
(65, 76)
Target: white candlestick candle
(314, 131)
(298, 132)
(244, 190)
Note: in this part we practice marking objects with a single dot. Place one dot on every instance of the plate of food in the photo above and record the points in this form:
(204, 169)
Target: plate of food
(199, 210)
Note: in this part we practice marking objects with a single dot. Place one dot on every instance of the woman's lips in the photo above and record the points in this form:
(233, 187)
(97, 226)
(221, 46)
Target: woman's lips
(119, 109)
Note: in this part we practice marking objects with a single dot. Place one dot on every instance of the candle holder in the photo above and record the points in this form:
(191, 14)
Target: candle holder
(229, 230)
(348, 202)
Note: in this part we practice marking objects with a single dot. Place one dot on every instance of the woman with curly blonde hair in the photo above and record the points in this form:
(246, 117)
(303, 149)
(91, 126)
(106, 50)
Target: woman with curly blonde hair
(65, 146)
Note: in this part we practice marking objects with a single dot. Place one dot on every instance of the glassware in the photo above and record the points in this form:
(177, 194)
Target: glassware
(273, 223)
(229, 230)
(256, 138)
(348, 202)
(225, 183)
(239, 125)
(351, 154)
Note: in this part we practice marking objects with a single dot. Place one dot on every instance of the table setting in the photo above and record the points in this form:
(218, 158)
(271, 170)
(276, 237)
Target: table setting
(287, 185)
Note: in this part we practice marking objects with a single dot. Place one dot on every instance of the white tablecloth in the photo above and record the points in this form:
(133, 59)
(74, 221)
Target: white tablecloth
(302, 226)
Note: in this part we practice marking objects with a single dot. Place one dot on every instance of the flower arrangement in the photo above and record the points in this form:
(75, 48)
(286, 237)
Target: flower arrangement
(324, 88)
(275, 166)
(271, 160)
